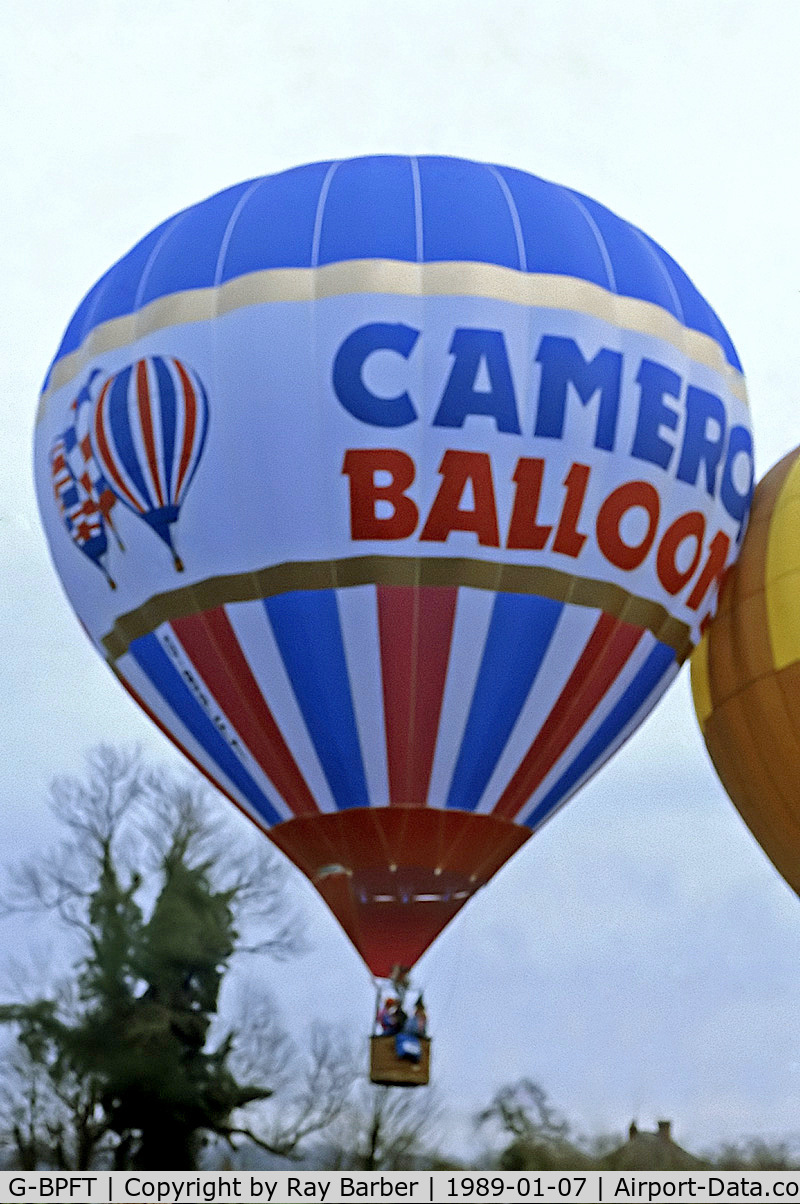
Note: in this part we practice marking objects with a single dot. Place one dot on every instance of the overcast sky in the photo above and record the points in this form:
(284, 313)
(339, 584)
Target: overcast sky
(639, 957)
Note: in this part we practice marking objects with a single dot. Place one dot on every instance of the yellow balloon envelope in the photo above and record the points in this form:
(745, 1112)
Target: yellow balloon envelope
(746, 673)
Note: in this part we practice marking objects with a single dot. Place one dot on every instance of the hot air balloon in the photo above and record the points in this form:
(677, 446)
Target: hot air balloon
(476, 459)
(147, 433)
(746, 673)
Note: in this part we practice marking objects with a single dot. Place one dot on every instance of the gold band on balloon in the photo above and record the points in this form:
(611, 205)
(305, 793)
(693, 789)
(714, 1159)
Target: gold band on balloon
(397, 570)
(397, 278)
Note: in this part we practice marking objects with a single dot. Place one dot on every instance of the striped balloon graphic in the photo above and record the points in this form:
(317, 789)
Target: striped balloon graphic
(480, 457)
(78, 506)
(147, 436)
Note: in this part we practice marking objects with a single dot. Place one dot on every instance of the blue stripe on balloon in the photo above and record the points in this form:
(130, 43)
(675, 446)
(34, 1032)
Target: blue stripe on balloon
(569, 248)
(275, 227)
(369, 211)
(123, 450)
(638, 271)
(465, 214)
(309, 637)
(114, 295)
(519, 635)
(697, 314)
(154, 662)
(168, 413)
(644, 684)
(203, 228)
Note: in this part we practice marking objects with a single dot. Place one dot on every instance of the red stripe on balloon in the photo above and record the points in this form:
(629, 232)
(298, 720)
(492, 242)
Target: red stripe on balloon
(211, 644)
(602, 660)
(146, 424)
(106, 459)
(153, 717)
(189, 429)
(416, 629)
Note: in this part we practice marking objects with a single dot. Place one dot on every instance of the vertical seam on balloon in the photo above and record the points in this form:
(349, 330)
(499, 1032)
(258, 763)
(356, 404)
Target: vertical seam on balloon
(785, 795)
(419, 249)
(419, 235)
(313, 356)
(229, 229)
(595, 229)
(746, 703)
(316, 241)
(151, 258)
(533, 330)
(316, 237)
(652, 252)
(514, 212)
(189, 441)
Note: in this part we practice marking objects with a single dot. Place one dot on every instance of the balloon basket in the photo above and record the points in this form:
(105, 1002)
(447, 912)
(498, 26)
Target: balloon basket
(386, 1069)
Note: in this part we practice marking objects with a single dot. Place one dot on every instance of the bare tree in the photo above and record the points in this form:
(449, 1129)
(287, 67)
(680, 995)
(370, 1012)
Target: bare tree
(756, 1154)
(385, 1128)
(314, 1088)
(535, 1135)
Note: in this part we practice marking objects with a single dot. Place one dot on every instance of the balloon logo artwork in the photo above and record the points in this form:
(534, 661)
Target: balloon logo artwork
(139, 442)
(478, 459)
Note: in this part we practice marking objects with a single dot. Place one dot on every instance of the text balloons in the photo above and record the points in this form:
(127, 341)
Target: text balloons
(746, 673)
(454, 460)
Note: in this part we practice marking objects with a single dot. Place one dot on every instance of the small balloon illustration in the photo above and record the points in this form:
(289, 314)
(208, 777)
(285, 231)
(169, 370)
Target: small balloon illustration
(147, 436)
(78, 508)
(81, 457)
